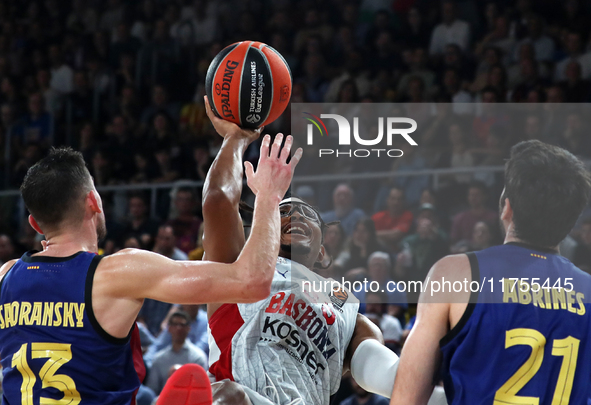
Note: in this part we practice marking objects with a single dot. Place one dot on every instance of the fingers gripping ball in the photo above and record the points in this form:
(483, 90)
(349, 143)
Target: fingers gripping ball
(248, 83)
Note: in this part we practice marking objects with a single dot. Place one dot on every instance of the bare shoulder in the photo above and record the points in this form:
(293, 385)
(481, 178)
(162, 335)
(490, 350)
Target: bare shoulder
(127, 259)
(449, 287)
(452, 267)
(7, 266)
(128, 268)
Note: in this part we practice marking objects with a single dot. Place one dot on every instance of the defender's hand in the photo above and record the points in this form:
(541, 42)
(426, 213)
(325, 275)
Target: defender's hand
(226, 128)
(273, 173)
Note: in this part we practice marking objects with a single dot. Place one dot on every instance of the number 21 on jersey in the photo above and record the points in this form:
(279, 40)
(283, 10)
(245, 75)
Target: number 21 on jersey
(567, 348)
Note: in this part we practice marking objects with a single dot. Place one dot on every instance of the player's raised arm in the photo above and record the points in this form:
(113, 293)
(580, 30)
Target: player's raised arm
(223, 231)
(140, 274)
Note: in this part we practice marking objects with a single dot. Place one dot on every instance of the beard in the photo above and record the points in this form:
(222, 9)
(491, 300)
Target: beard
(296, 249)
(101, 229)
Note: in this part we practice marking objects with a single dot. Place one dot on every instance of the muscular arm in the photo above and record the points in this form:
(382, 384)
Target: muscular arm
(124, 279)
(420, 356)
(223, 235)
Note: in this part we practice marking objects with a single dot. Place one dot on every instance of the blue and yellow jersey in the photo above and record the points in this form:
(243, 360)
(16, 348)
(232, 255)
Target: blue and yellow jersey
(521, 342)
(53, 350)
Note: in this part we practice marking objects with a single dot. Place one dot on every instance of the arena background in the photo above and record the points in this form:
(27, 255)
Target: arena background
(122, 81)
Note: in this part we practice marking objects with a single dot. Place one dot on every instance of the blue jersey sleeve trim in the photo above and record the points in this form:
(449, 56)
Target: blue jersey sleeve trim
(90, 311)
(475, 270)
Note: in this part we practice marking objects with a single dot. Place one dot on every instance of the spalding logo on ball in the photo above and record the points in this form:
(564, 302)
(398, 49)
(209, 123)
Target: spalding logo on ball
(248, 83)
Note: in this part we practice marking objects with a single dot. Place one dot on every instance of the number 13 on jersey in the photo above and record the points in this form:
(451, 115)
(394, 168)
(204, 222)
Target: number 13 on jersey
(57, 354)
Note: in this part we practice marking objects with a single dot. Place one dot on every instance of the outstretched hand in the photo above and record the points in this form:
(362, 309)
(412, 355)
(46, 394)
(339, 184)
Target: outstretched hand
(273, 174)
(226, 128)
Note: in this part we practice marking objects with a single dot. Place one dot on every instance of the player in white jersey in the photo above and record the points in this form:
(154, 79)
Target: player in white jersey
(294, 346)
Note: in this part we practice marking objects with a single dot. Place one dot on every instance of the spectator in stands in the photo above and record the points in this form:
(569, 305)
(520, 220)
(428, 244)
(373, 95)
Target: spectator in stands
(419, 253)
(314, 80)
(450, 31)
(575, 136)
(166, 241)
(376, 304)
(120, 146)
(132, 242)
(395, 221)
(334, 240)
(343, 209)
(53, 98)
(354, 70)
(162, 134)
(576, 89)
(37, 124)
(124, 44)
(82, 17)
(140, 224)
(452, 92)
(463, 223)
(575, 53)
(499, 37)
(180, 351)
(527, 79)
(7, 251)
(379, 270)
(81, 98)
(160, 102)
(197, 333)
(32, 153)
(168, 169)
(7, 117)
(362, 397)
(482, 238)
(362, 243)
(418, 69)
(186, 224)
(414, 30)
(544, 45)
(112, 16)
(62, 75)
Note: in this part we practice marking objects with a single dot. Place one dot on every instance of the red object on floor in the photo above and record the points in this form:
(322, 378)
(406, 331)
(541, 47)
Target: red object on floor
(189, 385)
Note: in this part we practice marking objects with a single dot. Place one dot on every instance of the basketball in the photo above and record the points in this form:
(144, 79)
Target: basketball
(248, 83)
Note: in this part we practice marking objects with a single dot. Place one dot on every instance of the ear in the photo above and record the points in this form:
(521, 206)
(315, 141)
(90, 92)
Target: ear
(35, 225)
(507, 212)
(94, 200)
(321, 254)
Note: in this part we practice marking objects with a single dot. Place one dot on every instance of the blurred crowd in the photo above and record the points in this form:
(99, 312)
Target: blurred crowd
(123, 82)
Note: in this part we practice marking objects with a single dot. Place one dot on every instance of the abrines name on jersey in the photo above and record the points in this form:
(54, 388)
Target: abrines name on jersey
(57, 314)
(543, 297)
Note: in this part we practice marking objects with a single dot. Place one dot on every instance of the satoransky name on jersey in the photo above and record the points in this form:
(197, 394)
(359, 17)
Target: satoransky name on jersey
(307, 322)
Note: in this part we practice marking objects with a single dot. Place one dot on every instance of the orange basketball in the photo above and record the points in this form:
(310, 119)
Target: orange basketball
(248, 83)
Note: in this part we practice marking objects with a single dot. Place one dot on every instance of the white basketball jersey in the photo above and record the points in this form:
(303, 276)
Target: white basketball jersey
(295, 340)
